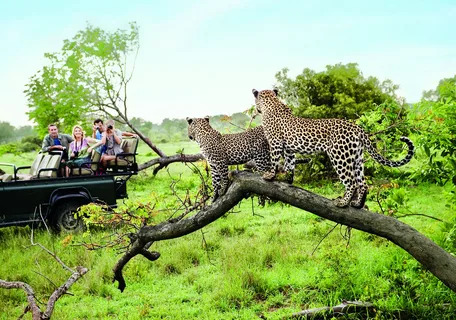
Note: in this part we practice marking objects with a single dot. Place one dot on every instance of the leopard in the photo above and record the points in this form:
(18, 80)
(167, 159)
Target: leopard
(223, 150)
(343, 141)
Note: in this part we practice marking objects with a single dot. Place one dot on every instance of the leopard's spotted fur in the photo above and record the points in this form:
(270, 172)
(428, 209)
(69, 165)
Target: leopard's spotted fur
(342, 140)
(222, 150)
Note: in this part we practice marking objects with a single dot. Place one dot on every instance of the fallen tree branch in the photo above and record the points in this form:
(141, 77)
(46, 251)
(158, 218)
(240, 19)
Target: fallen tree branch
(344, 308)
(37, 314)
(32, 305)
(430, 255)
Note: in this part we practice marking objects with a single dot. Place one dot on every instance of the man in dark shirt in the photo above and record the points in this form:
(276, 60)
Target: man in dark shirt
(56, 141)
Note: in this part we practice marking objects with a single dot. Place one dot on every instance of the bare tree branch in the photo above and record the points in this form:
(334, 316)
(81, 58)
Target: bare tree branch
(342, 309)
(37, 314)
(164, 161)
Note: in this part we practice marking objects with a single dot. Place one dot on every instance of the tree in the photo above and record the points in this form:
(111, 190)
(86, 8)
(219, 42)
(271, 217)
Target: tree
(89, 76)
(445, 89)
(6, 132)
(341, 91)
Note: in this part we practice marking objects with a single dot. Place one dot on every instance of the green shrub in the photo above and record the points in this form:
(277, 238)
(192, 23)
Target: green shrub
(9, 148)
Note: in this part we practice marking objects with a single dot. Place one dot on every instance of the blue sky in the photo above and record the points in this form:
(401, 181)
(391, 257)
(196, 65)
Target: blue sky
(202, 58)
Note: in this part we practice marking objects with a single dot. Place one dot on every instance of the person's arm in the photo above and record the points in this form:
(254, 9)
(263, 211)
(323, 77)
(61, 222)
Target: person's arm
(45, 145)
(129, 134)
(103, 137)
(117, 139)
(93, 143)
(70, 150)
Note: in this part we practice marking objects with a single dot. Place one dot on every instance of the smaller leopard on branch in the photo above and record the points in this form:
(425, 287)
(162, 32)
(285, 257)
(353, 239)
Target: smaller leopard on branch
(222, 150)
(343, 141)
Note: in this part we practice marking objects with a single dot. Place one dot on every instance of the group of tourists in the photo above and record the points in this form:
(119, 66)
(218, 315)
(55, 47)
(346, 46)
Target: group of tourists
(77, 149)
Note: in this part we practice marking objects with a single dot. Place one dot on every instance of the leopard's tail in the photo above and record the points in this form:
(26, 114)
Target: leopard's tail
(382, 160)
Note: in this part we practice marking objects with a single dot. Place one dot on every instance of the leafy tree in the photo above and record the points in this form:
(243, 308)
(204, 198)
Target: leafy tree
(446, 89)
(6, 131)
(341, 91)
(436, 126)
(89, 75)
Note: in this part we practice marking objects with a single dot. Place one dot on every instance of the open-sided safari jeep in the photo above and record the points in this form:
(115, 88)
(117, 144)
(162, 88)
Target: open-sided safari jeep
(44, 194)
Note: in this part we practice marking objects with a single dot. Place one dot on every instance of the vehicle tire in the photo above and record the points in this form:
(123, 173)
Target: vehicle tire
(64, 219)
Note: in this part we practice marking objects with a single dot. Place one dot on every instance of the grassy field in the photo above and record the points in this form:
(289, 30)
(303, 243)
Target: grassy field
(265, 263)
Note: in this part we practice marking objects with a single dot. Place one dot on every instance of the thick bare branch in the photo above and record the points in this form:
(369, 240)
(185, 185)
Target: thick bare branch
(430, 255)
(164, 161)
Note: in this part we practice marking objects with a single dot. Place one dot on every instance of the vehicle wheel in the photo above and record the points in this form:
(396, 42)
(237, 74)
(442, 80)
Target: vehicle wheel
(64, 219)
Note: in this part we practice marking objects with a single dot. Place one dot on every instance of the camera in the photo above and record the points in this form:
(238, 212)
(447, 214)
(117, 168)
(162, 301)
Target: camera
(110, 127)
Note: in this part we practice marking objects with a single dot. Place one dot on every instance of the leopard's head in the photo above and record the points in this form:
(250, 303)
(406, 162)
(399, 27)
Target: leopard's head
(196, 126)
(264, 98)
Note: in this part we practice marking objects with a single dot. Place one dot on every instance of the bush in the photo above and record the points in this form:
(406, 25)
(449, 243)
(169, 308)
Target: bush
(436, 125)
(9, 148)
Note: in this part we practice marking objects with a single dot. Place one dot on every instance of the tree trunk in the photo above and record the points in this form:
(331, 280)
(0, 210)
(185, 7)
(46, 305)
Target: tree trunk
(430, 255)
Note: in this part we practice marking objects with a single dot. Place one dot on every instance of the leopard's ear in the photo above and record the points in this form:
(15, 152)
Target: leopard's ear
(206, 118)
(255, 93)
(276, 91)
(189, 120)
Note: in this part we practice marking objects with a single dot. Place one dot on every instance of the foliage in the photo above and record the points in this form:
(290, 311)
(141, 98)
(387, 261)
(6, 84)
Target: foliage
(6, 132)
(436, 124)
(27, 144)
(9, 148)
(9, 133)
(445, 89)
(391, 198)
(341, 91)
(385, 125)
(82, 79)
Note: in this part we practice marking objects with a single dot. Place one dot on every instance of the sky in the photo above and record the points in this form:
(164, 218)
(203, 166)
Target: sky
(201, 58)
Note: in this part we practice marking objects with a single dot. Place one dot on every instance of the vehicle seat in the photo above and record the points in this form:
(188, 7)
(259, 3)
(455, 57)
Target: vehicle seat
(128, 157)
(42, 161)
(94, 162)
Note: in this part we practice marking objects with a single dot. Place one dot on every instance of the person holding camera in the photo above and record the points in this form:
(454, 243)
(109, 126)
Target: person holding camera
(97, 130)
(112, 139)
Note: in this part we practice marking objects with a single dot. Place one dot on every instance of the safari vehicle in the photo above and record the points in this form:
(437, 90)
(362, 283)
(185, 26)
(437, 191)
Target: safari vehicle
(44, 195)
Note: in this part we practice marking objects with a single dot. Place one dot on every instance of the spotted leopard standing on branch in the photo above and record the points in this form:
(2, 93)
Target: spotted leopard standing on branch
(222, 150)
(342, 140)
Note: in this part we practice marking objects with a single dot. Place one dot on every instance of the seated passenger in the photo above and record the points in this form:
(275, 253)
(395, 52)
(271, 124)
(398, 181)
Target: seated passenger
(56, 141)
(97, 133)
(79, 151)
(111, 138)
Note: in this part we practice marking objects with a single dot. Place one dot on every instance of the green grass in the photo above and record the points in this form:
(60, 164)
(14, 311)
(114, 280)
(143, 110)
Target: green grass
(252, 264)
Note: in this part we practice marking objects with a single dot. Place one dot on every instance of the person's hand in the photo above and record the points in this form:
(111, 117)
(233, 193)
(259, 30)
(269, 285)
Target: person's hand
(89, 150)
(94, 128)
